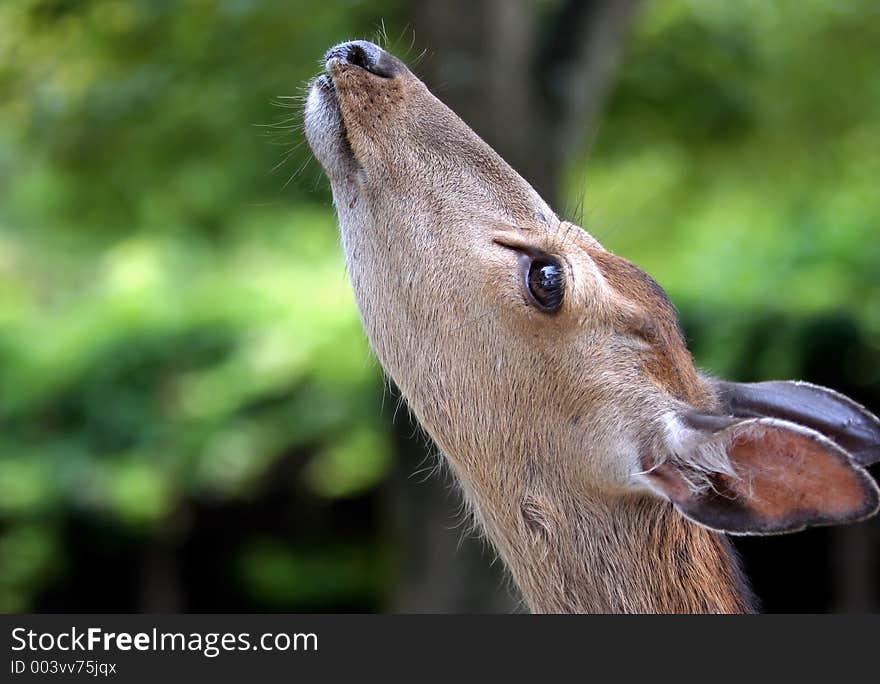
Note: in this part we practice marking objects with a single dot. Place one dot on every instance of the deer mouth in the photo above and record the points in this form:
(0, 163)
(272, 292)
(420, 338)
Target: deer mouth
(326, 131)
(325, 83)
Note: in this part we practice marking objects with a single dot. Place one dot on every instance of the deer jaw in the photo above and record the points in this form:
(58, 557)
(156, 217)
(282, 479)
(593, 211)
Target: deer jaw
(562, 426)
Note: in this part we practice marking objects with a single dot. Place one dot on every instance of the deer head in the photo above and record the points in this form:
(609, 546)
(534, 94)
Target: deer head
(552, 373)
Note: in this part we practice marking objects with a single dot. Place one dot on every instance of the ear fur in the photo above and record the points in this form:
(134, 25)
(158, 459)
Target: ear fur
(759, 475)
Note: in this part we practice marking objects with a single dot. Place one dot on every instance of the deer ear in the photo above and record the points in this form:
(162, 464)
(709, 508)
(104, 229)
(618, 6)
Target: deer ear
(845, 422)
(760, 476)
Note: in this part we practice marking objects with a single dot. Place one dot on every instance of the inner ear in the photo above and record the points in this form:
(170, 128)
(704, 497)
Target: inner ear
(764, 476)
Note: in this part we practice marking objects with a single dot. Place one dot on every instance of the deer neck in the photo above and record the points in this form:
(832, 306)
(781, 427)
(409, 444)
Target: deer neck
(571, 553)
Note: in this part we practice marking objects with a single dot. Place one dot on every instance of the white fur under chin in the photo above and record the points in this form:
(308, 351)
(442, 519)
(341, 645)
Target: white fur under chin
(325, 132)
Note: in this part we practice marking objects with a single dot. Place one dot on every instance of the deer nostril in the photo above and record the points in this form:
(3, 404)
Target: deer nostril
(358, 56)
(364, 55)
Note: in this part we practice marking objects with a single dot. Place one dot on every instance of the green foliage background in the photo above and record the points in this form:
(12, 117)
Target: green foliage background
(174, 314)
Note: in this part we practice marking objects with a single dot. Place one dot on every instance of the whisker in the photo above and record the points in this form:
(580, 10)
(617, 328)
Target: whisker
(297, 172)
(283, 161)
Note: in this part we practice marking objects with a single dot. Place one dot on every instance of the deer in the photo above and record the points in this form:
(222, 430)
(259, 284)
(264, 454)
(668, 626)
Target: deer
(606, 470)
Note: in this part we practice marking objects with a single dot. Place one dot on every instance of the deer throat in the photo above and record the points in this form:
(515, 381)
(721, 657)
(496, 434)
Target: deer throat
(634, 554)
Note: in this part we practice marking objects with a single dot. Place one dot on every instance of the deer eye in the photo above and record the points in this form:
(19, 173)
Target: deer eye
(545, 283)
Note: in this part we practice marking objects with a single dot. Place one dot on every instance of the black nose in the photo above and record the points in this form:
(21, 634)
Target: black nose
(363, 54)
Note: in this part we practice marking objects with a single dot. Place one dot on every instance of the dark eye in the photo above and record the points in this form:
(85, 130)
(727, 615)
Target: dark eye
(545, 283)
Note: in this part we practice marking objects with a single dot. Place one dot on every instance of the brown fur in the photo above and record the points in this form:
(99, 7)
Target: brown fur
(547, 420)
(654, 319)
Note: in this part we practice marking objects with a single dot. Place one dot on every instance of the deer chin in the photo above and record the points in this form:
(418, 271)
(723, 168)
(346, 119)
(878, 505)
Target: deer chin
(326, 132)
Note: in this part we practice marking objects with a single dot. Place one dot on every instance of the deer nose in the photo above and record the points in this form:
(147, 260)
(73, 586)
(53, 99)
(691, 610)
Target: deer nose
(363, 54)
